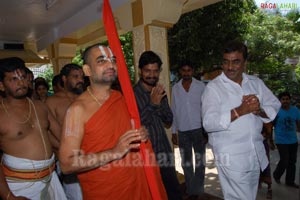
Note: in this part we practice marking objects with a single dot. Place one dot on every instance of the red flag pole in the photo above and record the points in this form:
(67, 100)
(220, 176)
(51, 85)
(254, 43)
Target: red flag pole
(115, 45)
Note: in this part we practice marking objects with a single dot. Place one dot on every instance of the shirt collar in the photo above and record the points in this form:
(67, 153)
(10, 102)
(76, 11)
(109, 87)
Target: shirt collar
(191, 83)
(140, 83)
(227, 80)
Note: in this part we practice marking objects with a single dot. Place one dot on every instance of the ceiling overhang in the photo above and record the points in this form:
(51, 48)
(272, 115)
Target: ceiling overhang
(79, 22)
(85, 16)
(27, 55)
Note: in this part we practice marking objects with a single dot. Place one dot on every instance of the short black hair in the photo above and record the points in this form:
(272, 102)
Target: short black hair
(284, 94)
(86, 53)
(11, 64)
(39, 79)
(65, 71)
(185, 63)
(149, 57)
(236, 45)
(57, 80)
(28, 71)
(44, 83)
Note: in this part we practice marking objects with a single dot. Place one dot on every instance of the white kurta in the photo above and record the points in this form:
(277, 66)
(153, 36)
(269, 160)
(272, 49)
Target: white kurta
(238, 145)
(48, 188)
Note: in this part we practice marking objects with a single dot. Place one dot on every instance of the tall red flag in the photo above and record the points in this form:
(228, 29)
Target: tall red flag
(150, 166)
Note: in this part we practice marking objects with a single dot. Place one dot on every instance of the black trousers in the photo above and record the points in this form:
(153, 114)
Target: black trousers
(169, 178)
(288, 158)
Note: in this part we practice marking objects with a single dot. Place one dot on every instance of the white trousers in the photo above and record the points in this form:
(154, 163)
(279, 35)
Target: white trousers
(239, 176)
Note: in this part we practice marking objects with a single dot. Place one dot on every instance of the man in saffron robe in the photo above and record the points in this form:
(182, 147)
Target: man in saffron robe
(99, 141)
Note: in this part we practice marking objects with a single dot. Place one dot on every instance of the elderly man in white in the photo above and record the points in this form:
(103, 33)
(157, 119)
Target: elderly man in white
(234, 107)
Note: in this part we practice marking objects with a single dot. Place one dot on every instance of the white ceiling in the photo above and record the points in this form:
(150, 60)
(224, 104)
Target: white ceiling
(30, 20)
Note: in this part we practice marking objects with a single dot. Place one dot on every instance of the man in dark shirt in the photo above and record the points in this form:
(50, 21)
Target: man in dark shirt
(156, 113)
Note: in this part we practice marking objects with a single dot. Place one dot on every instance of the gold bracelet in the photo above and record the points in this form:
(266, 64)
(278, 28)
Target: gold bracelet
(236, 113)
(8, 195)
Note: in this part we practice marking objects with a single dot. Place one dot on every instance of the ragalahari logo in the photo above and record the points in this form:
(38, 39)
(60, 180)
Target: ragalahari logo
(278, 6)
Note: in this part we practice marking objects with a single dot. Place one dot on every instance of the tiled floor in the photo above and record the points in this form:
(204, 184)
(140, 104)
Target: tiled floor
(212, 185)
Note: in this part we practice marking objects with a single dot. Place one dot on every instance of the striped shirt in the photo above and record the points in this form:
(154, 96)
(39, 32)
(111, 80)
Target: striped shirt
(154, 117)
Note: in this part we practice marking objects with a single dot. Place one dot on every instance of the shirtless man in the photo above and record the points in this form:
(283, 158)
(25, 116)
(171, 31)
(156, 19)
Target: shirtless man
(24, 140)
(56, 84)
(72, 77)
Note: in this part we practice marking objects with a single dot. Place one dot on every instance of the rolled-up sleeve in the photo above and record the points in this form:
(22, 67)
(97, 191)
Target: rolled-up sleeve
(268, 102)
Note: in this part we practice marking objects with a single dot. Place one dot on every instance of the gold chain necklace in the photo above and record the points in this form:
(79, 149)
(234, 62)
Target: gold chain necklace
(102, 100)
(43, 140)
(28, 117)
(37, 172)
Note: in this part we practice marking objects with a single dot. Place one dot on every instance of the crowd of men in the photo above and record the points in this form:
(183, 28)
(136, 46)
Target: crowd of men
(81, 142)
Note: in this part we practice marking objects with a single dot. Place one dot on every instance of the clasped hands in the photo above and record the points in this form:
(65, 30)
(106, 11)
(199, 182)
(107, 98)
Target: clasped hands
(250, 104)
(157, 93)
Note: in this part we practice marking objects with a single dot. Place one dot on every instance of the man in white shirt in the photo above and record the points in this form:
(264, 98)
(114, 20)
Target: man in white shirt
(186, 108)
(234, 107)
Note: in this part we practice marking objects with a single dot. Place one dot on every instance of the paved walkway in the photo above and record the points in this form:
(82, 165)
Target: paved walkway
(212, 184)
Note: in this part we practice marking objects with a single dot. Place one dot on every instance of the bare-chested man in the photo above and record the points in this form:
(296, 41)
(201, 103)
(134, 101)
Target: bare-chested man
(72, 77)
(27, 163)
(56, 84)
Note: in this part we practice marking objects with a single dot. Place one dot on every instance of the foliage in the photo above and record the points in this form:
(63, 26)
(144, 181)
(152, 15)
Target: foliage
(199, 35)
(294, 17)
(48, 75)
(78, 57)
(272, 39)
(126, 43)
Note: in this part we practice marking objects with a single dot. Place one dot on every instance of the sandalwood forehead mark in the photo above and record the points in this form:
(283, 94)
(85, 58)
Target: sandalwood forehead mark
(110, 52)
(103, 52)
(18, 74)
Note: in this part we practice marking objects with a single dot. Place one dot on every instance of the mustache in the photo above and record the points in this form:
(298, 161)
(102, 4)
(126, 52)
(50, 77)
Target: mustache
(110, 70)
(151, 78)
(21, 88)
(80, 84)
(154, 79)
(231, 70)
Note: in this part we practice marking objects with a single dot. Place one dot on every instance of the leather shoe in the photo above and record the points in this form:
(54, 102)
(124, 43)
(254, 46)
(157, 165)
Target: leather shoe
(277, 180)
(294, 185)
(192, 197)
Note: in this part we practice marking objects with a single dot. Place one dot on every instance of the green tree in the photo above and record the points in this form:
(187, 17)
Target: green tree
(48, 75)
(272, 39)
(294, 16)
(199, 35)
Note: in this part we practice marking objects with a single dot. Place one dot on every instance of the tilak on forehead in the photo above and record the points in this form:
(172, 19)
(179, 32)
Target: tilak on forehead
(103, 52)
(18, 74)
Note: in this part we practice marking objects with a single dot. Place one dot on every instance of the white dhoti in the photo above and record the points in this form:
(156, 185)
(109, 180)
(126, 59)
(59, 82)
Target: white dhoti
(33, 179)
(239, 175)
